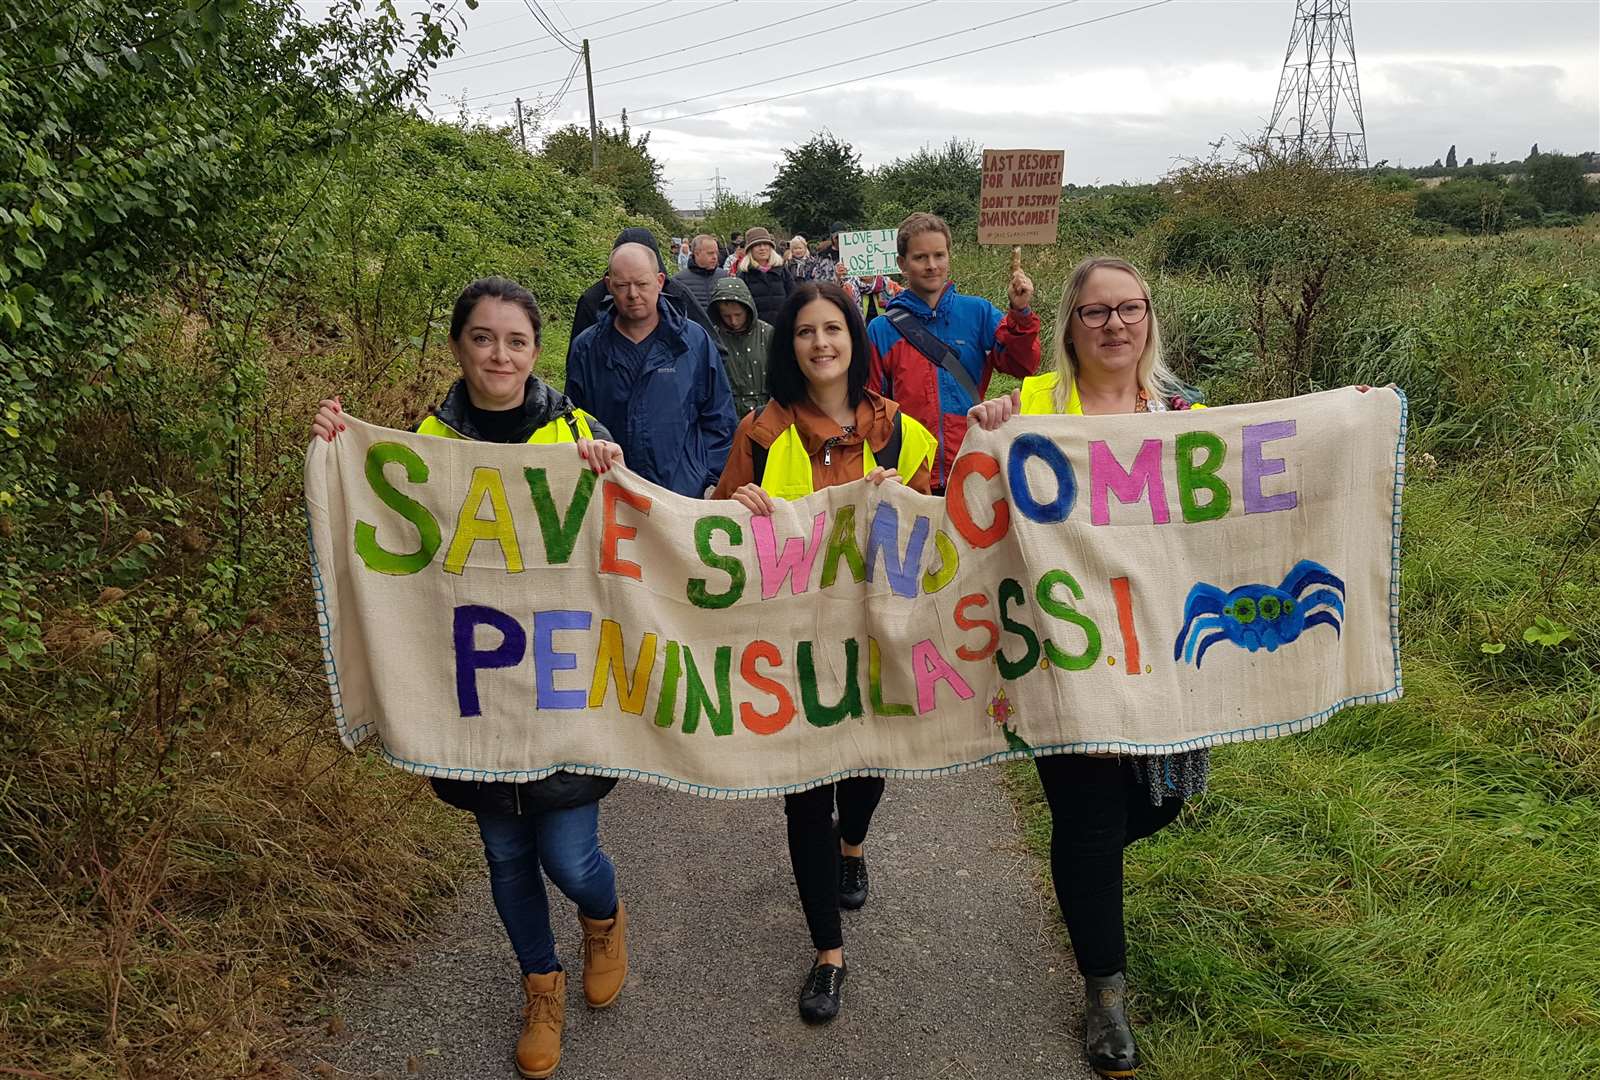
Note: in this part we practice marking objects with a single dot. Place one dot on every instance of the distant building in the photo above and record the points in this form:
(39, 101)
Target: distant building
(691, 215)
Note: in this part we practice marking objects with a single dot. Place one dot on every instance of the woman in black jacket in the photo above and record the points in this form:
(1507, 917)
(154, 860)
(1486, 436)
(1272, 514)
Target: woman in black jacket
(545, 827)
(762, 269)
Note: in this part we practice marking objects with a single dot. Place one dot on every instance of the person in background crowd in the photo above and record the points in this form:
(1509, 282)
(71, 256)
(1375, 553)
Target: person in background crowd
(1107, 359)
(828, 248)
(736, 243)
(654, 378)
(806, 266)
(977, 337)
(680, 250)
(596, 296)
(745, 339)
(764, 270)
(554, 823)
(703, 272)
(821, 427)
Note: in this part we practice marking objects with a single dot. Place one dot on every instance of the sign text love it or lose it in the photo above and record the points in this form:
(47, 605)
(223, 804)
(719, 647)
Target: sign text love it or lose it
(1136, 584)
(866, 252)
(1021, 196)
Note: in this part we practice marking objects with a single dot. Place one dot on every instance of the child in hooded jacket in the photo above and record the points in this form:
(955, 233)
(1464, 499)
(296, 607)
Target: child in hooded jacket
(745, 338)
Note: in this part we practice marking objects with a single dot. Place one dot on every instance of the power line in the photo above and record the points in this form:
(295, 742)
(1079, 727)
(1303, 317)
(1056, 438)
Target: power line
(562, 93)
(550, 27)
(701, 44)
(852, 60)
(599, 37)
(899, 71)
(530, 41)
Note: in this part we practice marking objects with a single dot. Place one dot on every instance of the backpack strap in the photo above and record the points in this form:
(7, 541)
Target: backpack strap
(936, 352)
(891, 449)
(758, 453)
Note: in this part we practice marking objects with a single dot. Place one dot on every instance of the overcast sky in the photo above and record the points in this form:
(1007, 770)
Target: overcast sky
(1126, 97)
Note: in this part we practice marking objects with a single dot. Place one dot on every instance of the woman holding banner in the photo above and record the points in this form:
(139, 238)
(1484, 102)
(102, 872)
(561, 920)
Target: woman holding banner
(552, 823)
(1107, 360)
(823, 427)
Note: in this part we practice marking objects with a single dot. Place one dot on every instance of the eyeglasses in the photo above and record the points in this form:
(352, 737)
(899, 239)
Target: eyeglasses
(1094, 316)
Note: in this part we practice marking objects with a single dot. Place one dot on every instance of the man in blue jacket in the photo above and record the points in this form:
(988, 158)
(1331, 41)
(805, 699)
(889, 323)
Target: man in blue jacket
(654, 379)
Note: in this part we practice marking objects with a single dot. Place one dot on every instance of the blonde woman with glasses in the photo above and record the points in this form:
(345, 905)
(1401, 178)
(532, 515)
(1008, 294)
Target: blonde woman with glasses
(1107, 360)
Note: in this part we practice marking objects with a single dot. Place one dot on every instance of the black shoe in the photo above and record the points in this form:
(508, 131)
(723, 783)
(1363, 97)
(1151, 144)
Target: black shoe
(852, 881)
(819, 997)
(1107, 1038)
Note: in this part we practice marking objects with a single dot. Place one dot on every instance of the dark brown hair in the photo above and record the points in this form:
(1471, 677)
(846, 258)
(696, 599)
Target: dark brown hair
(500, 289)
(786, 383)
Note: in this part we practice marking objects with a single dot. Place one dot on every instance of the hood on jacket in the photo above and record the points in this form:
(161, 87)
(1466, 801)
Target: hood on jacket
(874, 423)
(541, 403)
(735, 290)
(671, 328)
(645, 237)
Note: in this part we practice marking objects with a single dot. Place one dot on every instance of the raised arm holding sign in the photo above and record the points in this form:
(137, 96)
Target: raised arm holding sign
(935, 349)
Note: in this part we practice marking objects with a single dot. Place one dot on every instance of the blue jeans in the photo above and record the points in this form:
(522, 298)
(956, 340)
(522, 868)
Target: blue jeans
(567, 844)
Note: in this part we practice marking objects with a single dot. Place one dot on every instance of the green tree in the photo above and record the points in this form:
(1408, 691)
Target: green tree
(626, 166)
(1476, 205)
(730, 214)
(1304, 243)
(820, 182)
(1556, 181)
(945, 181)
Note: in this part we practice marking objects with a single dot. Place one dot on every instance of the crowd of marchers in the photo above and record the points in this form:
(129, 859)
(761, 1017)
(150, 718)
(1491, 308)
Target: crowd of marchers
(750, 372)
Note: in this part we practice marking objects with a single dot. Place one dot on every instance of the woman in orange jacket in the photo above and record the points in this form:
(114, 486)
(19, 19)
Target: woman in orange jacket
(822, 427)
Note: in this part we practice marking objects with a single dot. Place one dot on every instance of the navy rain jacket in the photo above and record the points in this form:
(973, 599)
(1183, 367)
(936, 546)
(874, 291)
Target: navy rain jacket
(673, 413)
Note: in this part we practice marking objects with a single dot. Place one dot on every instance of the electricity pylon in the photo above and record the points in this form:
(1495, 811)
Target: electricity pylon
(1318, 111)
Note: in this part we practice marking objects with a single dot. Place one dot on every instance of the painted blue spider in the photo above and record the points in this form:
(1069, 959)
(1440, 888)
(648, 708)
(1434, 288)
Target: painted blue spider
(1259, 616)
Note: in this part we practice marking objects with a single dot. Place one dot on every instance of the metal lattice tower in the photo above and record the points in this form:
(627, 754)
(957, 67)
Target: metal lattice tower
(1318, 112)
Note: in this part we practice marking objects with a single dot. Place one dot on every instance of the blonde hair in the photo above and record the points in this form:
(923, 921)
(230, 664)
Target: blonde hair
(1155, 378)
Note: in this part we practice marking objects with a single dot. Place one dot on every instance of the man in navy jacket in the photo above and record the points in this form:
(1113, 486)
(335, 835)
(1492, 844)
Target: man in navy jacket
(654, 379)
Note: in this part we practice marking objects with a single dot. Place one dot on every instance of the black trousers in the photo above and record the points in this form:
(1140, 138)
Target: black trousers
(814, 847)
(1097, 808)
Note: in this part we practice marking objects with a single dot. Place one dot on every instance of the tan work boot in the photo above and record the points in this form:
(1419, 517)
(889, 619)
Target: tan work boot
(605, 957)
(539, 1048)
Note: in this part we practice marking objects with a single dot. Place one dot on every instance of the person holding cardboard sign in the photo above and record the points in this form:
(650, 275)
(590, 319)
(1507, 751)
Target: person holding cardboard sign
(935, 349)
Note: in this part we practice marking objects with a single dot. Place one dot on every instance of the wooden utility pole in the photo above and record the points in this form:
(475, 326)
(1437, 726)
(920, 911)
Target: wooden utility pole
(522, 135)
(594, 130)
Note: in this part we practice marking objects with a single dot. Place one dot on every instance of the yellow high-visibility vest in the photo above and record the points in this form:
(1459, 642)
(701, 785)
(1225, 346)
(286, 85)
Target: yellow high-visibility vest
(1039, 396)
(786, 473)
(569, 427)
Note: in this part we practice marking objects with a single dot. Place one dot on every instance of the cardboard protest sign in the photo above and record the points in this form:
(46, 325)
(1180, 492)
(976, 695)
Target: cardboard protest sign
(866, 252)
(1020, 198)
(1140, 584)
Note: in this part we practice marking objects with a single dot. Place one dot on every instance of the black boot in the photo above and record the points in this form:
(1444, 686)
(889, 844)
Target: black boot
(852, 881)
(821, 994)
(1107, 1038)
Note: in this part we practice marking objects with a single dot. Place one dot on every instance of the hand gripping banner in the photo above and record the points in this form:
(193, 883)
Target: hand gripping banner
(1135, 584)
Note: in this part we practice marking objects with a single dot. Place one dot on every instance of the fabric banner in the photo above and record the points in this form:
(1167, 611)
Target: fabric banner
(1137, 584)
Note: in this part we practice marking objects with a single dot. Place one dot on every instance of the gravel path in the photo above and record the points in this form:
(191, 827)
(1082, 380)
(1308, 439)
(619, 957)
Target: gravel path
(953, 969)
